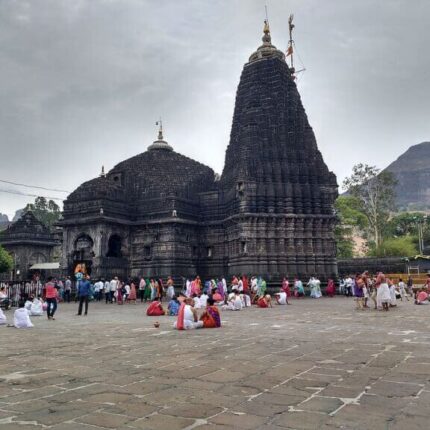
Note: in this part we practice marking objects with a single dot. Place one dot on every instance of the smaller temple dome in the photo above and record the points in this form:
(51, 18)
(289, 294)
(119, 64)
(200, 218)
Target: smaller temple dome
(160, 143)
(266, 50)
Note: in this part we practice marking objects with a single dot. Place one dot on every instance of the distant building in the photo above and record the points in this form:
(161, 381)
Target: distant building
(29, 242)
(271, 212)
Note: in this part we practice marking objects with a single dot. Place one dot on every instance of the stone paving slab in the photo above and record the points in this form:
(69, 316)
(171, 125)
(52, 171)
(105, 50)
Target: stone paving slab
(317, 364)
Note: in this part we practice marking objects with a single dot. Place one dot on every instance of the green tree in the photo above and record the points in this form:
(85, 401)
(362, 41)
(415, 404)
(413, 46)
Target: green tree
(6, 261)
(375, 191)
(46, 211)
(351, 220)
(395, 247)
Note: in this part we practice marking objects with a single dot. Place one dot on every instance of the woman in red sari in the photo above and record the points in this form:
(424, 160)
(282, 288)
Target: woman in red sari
(265, 302)
(132, 296)
(331, 289)
(286, 287)
(155, 309)
(211, 317)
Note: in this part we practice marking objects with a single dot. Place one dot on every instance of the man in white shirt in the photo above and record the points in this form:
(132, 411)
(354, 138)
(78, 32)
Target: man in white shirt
(204, 300)
(196, 302)
(113, 287)
(234, 303)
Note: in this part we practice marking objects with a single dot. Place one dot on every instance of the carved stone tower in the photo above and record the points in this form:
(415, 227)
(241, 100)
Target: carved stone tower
(276, 190)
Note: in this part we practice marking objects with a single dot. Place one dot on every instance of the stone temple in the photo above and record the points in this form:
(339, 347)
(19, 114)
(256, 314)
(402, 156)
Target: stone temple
(270, 213)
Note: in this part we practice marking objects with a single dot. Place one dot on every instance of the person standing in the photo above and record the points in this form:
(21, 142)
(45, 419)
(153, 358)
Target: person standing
(142, 285)
(84, 294)
(114, 285)
(67, 289)
(51, 298)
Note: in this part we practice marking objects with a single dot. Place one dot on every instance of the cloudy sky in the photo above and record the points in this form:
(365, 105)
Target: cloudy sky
(82, 82)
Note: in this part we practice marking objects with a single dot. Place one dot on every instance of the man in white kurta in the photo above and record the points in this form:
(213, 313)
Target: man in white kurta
(36, 308)
(2, 317)
(281, 298)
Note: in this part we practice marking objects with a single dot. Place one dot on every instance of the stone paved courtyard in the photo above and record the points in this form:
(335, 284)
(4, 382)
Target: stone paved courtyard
(313, 365)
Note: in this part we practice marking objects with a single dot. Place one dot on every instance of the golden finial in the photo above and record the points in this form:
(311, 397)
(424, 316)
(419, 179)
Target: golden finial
(266, 29)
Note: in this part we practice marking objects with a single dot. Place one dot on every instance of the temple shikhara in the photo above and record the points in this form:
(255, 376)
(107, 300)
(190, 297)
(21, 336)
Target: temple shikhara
(270, 213)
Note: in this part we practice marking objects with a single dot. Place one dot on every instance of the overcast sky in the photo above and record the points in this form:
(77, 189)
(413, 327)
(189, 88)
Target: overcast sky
(82, 82)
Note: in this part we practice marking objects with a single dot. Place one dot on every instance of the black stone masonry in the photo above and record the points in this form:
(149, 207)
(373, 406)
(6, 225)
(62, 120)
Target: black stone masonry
(271, 212)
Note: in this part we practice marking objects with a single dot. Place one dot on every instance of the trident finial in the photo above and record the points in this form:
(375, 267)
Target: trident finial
(160, 130)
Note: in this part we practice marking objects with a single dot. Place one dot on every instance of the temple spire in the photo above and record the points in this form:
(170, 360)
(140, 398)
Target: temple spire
(160, 143)
(160, 129)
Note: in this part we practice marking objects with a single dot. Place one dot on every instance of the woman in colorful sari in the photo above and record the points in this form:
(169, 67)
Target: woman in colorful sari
(211, 317)
(173, 306)
(160, 292)
(286, 287)
(132, 296)
(299, 291)
(153, 290)
(119, 294)
(265, 301)
(147, 291)
(220, 291)
(331, 289)
(155, 309)
(245, 284)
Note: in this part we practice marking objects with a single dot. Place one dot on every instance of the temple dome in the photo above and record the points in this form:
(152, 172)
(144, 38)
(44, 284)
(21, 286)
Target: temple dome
(156, 174)
(266, 50)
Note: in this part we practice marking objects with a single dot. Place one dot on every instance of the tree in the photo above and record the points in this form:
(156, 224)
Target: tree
(6, 261)
(395, 247)
(46, 211)
(375, 191)
(351, 221)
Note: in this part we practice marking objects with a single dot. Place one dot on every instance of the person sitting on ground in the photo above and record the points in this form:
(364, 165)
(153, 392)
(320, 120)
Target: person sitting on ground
(246, 300)
(265, 301)
(196, 300)
(187, 316)
(173, 306)
(234, 302)
(155, 309)
(3, 319)
(21, 318)
(36, 308)
(217, 297)
(28, 302)
(4, 300)
(299, 291)
(422, 298)
(281, 298)
(211, 317)
(203, 300)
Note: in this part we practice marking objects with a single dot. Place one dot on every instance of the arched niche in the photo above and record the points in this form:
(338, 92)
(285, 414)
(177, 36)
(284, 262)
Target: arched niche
(114, 246)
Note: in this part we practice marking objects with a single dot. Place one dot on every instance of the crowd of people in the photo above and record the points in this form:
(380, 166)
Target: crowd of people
(198, 304)
(383, 291)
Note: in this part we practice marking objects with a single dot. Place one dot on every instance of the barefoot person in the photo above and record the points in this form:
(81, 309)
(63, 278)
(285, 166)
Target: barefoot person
(187, 316)
(155, 309)
(211, 317)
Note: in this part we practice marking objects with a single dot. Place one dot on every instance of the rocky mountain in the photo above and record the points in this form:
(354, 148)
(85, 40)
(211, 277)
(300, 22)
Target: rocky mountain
(412, 171)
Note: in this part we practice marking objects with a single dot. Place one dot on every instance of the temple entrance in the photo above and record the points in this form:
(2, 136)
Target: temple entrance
(114, 247)
(83, 255)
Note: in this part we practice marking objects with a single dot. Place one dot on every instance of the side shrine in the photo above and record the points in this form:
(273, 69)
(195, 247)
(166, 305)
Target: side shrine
(271, 213)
